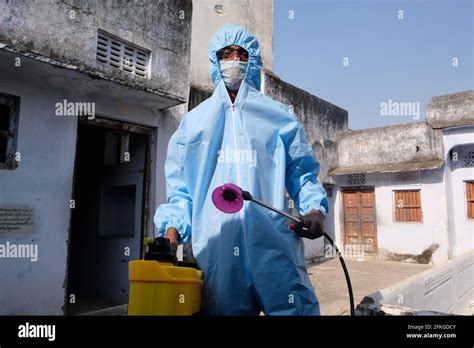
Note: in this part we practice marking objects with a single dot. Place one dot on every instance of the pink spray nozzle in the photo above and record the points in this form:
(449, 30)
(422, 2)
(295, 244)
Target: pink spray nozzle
(228, 198)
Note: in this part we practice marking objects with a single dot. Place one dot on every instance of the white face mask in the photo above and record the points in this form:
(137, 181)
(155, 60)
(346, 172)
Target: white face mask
(233, 72)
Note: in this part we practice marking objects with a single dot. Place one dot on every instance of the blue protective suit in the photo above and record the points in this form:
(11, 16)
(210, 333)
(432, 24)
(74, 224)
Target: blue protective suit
(251, 260)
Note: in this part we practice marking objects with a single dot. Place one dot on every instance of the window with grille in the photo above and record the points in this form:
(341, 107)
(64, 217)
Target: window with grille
(9, 109)
(408, 206)
(122, 55)
(470, 199)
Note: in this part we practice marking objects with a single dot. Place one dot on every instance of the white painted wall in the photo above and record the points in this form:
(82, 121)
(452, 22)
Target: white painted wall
(461, 228)
(43, 180)
(398, 237)
(414, 238)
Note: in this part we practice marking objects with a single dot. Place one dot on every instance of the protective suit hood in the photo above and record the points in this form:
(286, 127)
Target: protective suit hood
(228, 35)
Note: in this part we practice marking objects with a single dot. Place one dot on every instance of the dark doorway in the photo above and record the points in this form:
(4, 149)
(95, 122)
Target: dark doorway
(109, 212)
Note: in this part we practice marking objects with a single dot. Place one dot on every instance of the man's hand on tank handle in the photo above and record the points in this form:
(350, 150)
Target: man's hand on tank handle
(314, 223)
(173, 236)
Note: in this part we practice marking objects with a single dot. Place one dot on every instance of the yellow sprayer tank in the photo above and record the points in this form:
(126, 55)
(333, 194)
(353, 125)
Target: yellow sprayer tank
(158, 287)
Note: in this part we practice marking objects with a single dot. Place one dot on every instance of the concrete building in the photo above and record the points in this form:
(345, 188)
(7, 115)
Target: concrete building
(76, 194)
(406, 192)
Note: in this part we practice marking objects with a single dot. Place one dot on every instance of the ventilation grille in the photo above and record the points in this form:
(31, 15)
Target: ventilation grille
(469, 159)
(122, 55)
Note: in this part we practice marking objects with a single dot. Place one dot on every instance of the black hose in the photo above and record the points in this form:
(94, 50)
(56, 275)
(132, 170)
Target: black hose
(346, 273)
(248, 197)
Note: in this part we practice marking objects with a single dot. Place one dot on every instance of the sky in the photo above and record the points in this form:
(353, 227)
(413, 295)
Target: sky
(369, 56)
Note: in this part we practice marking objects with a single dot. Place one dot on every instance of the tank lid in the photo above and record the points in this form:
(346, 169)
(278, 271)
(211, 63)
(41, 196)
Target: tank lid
(160, 250)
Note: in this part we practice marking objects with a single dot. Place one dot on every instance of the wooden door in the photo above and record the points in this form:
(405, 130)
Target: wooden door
(359, 219)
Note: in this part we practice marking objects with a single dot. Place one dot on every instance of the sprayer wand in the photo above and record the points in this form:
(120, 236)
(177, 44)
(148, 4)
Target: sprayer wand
(248, 197)
(229, 199)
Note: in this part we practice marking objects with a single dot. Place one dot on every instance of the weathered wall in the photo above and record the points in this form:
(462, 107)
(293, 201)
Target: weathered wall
(321, 119)
(406, 143)
(451, 110)
(66, 31)
(256, 15)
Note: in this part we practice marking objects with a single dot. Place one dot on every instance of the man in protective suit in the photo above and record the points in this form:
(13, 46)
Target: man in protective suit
(251, 259)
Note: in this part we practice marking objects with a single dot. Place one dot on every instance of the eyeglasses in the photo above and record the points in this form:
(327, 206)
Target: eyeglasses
(228, 53)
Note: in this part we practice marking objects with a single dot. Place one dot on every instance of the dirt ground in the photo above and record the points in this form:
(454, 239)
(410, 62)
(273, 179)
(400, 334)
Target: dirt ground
(367, 277)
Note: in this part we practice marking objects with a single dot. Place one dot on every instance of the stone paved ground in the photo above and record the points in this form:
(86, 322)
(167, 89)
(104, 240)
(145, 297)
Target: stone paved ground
(367, 277)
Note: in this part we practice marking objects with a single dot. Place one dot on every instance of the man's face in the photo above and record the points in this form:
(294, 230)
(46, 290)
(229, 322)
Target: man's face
(233, 53)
